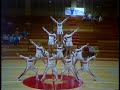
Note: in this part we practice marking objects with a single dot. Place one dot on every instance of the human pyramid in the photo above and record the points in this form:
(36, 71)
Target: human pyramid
(69, 59)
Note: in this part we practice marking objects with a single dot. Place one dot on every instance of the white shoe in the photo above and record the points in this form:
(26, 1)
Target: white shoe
(20, 79)
(94, 79)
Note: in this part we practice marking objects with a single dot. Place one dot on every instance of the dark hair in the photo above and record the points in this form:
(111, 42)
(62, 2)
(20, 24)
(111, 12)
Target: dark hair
(85, 54)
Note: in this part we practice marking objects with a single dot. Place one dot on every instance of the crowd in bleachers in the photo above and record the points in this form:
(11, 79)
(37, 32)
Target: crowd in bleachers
(14, 38)
(89, 17)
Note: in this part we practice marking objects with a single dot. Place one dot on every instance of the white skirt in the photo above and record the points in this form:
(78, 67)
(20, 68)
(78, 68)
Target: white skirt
(59, 55)
(51, 42)
(69, 43)
(38, 55)
(59, 31)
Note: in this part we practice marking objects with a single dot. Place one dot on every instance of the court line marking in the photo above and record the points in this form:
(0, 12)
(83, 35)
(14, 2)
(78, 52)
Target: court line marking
(103, 82)
(85, 82)
(61, 67)
(10, 81)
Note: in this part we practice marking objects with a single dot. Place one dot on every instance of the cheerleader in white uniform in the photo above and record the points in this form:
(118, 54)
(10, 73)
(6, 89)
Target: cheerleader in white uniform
(59, 28)
(68, 65)
(68, 42)
(52, 39)
(51, 63)
(78, 53)
(39, 51)
(85, 66)
(60, 52)
(30, 66)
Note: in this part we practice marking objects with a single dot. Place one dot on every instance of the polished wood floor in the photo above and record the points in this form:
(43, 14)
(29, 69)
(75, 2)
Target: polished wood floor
(107, 73)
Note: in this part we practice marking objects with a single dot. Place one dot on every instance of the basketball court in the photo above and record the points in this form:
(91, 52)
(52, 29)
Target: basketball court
(107, 73)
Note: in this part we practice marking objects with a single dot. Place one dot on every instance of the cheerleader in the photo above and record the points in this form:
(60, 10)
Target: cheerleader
(85, 66)
(59, 28)
(51, 63)
(29, 66)
(68, 65)
(68, 42)
(39, 51)
(60, 52)
(52, 39)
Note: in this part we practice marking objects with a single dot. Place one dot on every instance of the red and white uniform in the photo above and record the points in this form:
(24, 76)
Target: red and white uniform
(39, 50)
(59, 25)
(52, 37)
(85, 66)
(51, 64)
(68, 66)
(78, 53)
(60, 51)
(68, 39)
(86, 63)
(29, 66)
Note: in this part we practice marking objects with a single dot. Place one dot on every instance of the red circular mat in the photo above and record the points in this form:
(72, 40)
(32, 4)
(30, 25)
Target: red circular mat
(68, 82)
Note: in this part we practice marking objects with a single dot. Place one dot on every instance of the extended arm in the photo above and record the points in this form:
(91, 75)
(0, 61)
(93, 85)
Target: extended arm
(45, 30)
(33, 43)
(54, 20)
(84, 46)
(73, 32)
(64, 20)
(91, 58)
(21, 56)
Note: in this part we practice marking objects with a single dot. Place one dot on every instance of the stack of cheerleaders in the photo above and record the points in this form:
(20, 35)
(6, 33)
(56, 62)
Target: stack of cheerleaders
(59, 43)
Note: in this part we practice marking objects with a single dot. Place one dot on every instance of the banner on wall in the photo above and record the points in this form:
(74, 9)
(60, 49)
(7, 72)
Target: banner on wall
(73, 11)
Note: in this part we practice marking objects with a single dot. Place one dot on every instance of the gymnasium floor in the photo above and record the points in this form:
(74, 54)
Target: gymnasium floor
(107, 73)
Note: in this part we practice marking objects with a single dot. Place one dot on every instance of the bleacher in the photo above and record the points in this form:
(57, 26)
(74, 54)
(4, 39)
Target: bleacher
(103, 36)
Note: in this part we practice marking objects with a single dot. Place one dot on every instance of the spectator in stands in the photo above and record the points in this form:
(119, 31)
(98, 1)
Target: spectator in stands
(24, 34)
(11, 39)
(17, 31)
(100, 19)
(90, 17)
(85, 17)
(96, 18)
(5, 38)
(16, 39)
